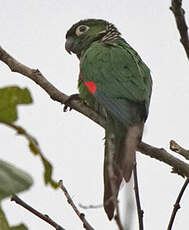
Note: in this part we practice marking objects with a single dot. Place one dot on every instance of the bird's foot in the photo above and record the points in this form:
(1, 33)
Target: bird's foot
(70, 98)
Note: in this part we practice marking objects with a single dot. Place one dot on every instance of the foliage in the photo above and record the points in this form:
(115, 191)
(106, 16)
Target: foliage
(10, 97)
(5, 226)
(12, 179)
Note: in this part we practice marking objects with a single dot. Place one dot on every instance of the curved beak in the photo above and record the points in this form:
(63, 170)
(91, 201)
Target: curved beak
(68, 45)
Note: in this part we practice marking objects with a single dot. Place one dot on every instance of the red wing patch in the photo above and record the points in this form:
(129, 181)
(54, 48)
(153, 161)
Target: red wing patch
(91, 86)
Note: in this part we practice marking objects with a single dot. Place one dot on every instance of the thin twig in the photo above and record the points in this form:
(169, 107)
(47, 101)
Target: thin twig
(79, 106)
(139, 210)
(178, 11)
(86, 225)
(118, 219)
(177, 204)
(180, 150)
(44, 217)
(91, 206)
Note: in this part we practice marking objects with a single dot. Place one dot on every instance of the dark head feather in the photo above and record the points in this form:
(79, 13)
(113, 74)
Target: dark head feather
(98, 29)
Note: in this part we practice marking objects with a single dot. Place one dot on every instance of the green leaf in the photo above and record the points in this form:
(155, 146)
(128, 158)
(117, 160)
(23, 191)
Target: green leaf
(10, 97)
(35, 149)
(12, 180)
(19, 227)
(3, 221)
(48, 173)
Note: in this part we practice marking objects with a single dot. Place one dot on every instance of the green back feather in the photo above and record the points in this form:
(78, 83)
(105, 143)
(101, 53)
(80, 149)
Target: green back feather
(117, 70)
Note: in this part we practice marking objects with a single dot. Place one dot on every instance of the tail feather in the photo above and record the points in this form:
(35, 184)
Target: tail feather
(112, 176)
(132, 139)
(120, 157)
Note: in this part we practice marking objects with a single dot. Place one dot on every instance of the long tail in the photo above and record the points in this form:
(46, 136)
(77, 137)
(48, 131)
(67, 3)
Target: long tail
(133, 138)
(120, 157)
(112, 175)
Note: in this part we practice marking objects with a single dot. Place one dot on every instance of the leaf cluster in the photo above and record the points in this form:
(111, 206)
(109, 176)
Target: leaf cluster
(12, 179)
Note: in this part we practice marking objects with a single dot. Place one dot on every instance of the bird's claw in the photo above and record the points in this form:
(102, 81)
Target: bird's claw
(70, 98)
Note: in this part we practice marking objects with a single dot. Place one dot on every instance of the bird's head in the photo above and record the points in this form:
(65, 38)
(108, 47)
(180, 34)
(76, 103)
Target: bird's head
(80, 36)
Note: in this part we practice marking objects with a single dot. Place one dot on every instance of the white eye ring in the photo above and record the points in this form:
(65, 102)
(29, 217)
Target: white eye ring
(81, 29)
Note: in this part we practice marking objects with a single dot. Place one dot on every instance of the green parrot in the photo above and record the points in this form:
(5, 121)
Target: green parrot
(117, 84)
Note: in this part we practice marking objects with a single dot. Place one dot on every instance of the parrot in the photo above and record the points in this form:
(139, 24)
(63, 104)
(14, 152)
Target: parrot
(116, 83)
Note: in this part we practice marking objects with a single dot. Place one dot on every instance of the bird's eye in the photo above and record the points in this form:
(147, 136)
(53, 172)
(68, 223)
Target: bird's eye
(81, 29)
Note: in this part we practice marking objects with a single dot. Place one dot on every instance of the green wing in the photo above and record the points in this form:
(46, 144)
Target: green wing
(123, 80)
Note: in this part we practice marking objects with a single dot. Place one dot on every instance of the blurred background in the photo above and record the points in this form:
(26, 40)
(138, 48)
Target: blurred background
(34, 33)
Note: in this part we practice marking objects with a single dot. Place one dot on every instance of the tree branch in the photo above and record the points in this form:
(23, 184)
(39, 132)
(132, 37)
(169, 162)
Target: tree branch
(137, 197)
(177, 204)
(78, 105)
(46, 218)
(36, 76)
(86, 225)
(91, 206)
(178, 149)
(162, 155)
(178, 11)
